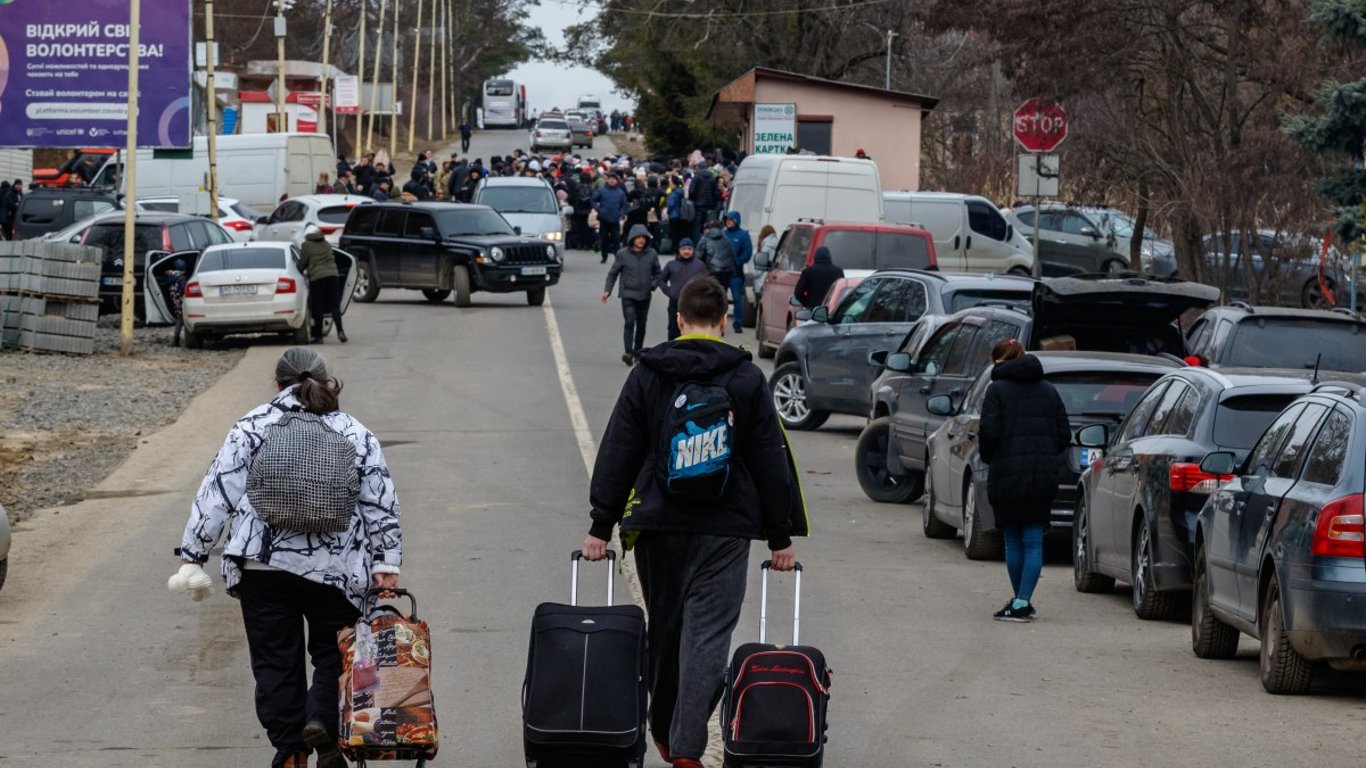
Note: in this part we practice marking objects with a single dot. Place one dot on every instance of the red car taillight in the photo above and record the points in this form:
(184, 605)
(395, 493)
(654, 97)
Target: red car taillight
(1187, 478)
(238, 225)
(192, 291)
(328, 230)
(285, 285)
(1340, 531)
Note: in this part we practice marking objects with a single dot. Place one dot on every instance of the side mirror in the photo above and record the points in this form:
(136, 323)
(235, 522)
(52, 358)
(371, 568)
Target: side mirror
(1219, 463)
(878, 359)
(821, 314)
(1090, 232)
(793, 301)
(940, 405)
(803, 315)
(518, 230)
(1093, 436)
(899, 362)
(763, 261)
(263, 221)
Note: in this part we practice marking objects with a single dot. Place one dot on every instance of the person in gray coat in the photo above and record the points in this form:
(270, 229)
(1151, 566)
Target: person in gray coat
(636, 264)
(717, 253)
(674, 276)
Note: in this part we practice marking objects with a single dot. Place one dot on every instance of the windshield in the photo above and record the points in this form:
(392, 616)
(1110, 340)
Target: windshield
(1239, 421)
(245, 211)
(1121, 225)
(518, 199)
(1101, 394)
(964, 299)
(1298, 343)
(335, 214)
(498, 88)
(481, 221)
(241, 258)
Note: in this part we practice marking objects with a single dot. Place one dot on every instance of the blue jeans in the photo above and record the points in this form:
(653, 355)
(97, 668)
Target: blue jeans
(737, 298)
(1024, 557)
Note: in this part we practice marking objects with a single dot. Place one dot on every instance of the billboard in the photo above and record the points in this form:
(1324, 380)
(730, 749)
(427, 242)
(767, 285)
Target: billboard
(775, 128)
(64, 73)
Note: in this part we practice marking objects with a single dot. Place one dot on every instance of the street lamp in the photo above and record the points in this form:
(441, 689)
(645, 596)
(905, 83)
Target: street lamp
(887, 79)
(281, 119)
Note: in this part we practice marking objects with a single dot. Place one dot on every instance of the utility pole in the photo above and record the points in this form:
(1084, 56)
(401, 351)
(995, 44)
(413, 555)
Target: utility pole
(393, 95)
(130, 179)
(374, 79)
(431, 74)
(445, 44)
(325, 74)
(211, 102)
(360, 74)
(417, 57)
(281, 117)
(887, 81)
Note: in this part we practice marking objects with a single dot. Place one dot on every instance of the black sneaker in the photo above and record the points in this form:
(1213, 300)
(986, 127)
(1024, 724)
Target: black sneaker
(317, 737)
(1018, 615)
(341, 336)
(628, 358)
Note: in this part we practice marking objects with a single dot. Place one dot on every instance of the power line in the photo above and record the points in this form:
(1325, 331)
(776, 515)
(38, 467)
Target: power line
(720, 15)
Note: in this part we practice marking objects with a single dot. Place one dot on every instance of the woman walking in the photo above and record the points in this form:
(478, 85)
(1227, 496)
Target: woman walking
(1023, 433)
(282, 486)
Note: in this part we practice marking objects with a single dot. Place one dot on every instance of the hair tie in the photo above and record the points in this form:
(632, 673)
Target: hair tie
(305, 375)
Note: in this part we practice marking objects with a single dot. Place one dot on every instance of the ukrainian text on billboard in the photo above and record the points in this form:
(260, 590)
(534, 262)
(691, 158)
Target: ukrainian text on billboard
(775, 128)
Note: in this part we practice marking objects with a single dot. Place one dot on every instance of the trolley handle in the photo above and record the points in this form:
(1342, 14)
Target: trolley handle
(574, 558)
(370, 602)
(796, 603)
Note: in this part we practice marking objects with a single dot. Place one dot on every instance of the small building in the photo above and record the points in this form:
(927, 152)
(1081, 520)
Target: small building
(775, 110)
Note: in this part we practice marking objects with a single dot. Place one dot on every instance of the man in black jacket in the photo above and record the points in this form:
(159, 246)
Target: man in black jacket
(815, 280)
(692, 556)
(705, 194)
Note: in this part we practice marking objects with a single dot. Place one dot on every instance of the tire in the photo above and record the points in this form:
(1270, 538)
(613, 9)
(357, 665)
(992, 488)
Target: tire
(765, 353)
(1083, 578)
(1283, 670)
(536, 296)
(4, 569)
(933, 527)
(789, 397)
(1114, 266)
(460, 277)
(977, 543)
(193, 340)
(366, 290)
(751, 318)
(1210, 637)
(1312, 297)
(870, 464)
(435, 295)
(303, 334)
(1149, 604)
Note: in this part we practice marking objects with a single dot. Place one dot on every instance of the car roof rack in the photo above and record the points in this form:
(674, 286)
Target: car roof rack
(1244, 306)
(1347, 388)
(811, 219)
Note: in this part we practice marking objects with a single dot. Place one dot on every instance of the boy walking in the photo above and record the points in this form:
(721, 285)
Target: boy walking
(690, 515)
(636, 264)
(676, 274)
(743, 250)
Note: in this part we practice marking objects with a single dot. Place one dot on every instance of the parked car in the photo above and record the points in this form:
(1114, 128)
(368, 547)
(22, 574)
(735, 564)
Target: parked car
(838, 290)
(1093, 385)
(1136, 507)
(1279, 550)
(4, 545)
(551, 133)
(970, 233)
(1095, 313)
(1086, 238)
(826, 366)
(529, 205)
(238, 219)
(583, 132)
(326, 212)
(48, 209)
(443, 247)
(249, 288)
(1300, 278)
(1277, 337)
(152, 231)
(853, 246)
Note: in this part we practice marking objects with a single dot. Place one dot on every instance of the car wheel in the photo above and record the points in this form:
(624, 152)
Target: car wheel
(1283, 669)
(789, 398)
(870, 464)
(366, 290)
(303, 334)
(193, 340)
(435, 295)
(1019, 272)
(1314, 297)
(536, 296)
(1149, 603)
(933, 527)
(1083, 578)
(1115, 266)
(978, 544)
(765, 352)
(4, 570)
(1210, 637)
(460, 276)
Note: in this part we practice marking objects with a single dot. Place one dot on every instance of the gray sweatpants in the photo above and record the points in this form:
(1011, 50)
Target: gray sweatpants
(694, 588)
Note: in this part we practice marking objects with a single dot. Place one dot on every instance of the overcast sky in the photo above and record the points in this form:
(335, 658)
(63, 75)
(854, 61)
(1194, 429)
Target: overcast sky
(555, 85)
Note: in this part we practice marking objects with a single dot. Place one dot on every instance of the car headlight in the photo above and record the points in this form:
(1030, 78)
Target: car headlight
(496, 253)
(554, 237)
(550, 251)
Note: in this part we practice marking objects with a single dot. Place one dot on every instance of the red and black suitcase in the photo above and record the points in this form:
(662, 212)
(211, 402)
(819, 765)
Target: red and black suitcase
(776, 697)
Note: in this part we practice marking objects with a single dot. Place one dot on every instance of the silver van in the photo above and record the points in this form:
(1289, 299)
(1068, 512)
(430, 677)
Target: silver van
(529, 204)
(970, 232)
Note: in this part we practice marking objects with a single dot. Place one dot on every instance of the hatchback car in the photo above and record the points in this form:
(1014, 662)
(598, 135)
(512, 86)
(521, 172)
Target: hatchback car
(826, 366)
(1086, 238)
(253, 287)
(1279, 548)
(528, 204)
(326, 212)
(1093, 385)
(1276, 337)
(552, 133)
(583, 132)
(236, 217)
(153, 231)
(1136, 506)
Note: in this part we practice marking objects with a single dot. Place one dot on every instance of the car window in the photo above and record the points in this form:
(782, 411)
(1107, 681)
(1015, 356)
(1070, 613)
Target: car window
(897, 301)
(146, 237)
(999, 330)
(1329, 454)
(854, 306)
(362, 221)
(1101, 393)
(1288, 462)
(1138, 418)
(241, 258)
(979, 356)
(81, 209)
(1284, 342)
(290, 210)
(1197, 334)
(795, 248)
(1073, 223)
(390, 223)
(519, 199)
(914, 338)
(1026, 218)
(1164, 408)
(1182, 415)
(1265, 454)
(904, 250)
(417, 220)
(475, 221)
(334, 214)
(180, 237)
(1239, 421)
(960, 300)
(972, 402)
(956, 362)
(245, 211)
(199, 234)
(984, 219)
(852, 249)
(937, 349)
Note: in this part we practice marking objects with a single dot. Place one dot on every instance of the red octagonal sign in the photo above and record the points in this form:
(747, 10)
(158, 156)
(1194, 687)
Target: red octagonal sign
(1040, 126)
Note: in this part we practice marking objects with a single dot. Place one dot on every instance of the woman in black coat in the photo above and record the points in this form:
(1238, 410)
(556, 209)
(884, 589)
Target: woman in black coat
(1023, 433)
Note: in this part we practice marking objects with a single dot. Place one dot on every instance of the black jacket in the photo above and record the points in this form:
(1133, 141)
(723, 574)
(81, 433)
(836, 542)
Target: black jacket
(1023, 434)
(717, 253)
(705, 191)
(763, 500)
(815, 280)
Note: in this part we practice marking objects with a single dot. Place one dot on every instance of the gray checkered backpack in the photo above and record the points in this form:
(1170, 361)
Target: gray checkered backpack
(303, 477)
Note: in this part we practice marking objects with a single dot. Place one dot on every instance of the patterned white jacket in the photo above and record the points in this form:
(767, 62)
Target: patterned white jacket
(373, 543)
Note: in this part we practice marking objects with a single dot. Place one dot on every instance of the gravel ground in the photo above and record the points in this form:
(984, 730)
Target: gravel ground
(66, 421)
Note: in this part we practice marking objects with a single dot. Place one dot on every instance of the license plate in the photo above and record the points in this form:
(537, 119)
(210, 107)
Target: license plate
(111, 281)
(236, 290)
(533, 270)
(1090, 456)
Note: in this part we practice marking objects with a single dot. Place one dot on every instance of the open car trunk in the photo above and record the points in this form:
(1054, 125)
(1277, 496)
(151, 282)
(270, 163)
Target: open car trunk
(1115, 314)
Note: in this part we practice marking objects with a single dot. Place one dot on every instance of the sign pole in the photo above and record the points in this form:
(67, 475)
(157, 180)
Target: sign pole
(1038, 213)
(325, 74)
(374, 79)
(393, 95)
(212, 102)
(281, 119)
(417, 58)
(130, 179)
(360, 73)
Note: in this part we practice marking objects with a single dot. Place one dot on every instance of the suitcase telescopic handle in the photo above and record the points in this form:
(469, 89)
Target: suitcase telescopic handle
(574, 581)
(796, 603)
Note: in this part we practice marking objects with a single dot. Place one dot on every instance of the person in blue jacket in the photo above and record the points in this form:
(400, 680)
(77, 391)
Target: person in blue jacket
(744, 251)
(610, 203)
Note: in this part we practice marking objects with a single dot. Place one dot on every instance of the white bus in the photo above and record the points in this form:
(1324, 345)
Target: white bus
(590, 103)
(504, 103)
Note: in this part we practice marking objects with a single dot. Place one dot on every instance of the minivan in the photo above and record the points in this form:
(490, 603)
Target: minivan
(259, 169)
(970, 233)
(780, 189)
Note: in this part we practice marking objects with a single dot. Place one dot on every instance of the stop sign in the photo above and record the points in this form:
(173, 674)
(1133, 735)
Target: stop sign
(1040, 126)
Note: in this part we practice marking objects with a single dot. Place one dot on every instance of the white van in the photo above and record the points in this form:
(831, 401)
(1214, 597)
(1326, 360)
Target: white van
(256, 168)
(970, 233)
(779, 189)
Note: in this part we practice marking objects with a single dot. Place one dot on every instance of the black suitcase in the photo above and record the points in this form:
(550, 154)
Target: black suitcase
(584, 697)
(776, 698)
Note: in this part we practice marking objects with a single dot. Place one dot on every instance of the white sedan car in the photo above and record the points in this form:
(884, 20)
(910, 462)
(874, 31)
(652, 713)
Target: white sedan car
(234, 215)
(328, 212)
(244, 288)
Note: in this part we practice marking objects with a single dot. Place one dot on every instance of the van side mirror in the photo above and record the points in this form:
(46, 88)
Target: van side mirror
(878, 359)
(803, 315)
(1219, 463)
(1093, 436)
(793, 301)
(820, 314)
(899, 362)
(940, 405)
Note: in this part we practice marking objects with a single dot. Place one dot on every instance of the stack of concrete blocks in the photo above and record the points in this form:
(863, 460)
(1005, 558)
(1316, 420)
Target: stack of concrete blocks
(49, 296)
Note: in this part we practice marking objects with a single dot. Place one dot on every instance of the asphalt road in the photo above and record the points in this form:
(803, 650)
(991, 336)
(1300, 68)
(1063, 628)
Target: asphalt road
(100, 666)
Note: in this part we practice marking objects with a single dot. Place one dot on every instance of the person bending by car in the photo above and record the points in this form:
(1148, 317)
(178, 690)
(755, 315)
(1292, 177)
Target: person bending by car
(815, 280)
(692, 551)
(283, 576)
(324, 282)
(1023, 434)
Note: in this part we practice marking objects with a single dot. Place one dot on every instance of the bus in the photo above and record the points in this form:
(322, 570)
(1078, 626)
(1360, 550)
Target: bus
(504, 103)
(590, 103)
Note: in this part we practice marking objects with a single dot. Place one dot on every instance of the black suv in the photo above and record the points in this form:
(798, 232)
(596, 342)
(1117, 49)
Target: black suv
(43, 209)
(443, 247)
(152, 231)
(1280, 337)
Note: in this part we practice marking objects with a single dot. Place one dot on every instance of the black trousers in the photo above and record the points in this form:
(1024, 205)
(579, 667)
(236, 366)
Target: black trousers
(634, 314)
(609, 238)
(679, 229)
(674, 332)
(464, 144)
(324, 298)
(275, 607)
